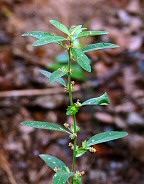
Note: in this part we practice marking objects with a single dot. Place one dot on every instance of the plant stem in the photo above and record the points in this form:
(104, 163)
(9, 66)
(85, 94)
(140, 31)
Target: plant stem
(69, 78)
(75, 144)
(71, 103)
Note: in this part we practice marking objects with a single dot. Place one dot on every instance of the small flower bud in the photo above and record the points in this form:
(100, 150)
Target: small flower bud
(56, 169)
(66, 125)
(71, 71)
(82, 173)
(66, 88)
(78, 173)
(92, 149)
(68, 38)
(72, 87)
(73, 136)
(71, 144)
(78, 104)
(73, 82)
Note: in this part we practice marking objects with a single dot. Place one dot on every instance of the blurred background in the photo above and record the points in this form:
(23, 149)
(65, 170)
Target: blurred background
(25, 94)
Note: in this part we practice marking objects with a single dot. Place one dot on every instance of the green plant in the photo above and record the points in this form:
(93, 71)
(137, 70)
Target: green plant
(63, 173)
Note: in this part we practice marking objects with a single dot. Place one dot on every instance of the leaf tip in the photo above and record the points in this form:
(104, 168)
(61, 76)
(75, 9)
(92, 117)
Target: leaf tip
(42, 71)
(117, 46)
(51, 21)
(35, 44)
(23, 123)
(125, 134)
(89, 69)
(41, 156)
(25, 34)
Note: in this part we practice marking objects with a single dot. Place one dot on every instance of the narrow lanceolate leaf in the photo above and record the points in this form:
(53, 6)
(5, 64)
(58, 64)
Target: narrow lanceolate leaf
(53, 162)
(49, 39)
(82, 59)
(102, 100)
(105, 137)
(62, 177)
(60, 26)
(75, 36)
(62, 58)
(79, 73)
(48, 74)
(92, 33)
(99, 46)
(58, 73)
(45, 125)
(38, 34)
(76, 29)
(72, 28)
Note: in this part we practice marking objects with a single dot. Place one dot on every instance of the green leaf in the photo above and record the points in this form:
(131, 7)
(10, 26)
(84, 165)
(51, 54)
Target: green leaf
(62, 58)
(72, 28)
(62, 177)
(48, 74)
(45, 73)
(76, 31)
(73, 129)
(60, 26)
(77, 181)
(80, 152)
(102, 100)
(99, 46)
(49, 39)
(92, 33)
(82, 59)
(45, 125)
(75, 36)
(105, 137)
(38, 34)
(85, 144)
(77, 178)
(73, 109)
(58, 73)
(77, 44)
(53, 162)
(78, 73)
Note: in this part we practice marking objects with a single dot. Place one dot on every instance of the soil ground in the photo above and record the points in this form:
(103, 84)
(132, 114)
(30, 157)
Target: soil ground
(27, 95)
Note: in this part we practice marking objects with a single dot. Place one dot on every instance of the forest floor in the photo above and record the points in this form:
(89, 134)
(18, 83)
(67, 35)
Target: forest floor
(27, 95)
